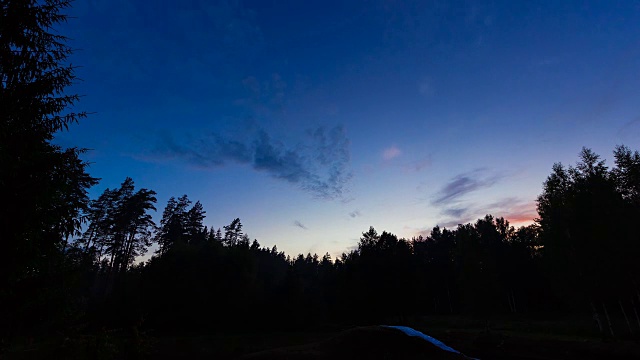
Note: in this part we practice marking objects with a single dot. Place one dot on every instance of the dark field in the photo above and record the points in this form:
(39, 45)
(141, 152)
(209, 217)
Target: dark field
(504, 339)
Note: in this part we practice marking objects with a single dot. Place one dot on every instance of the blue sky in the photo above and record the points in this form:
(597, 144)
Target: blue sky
(312, 120)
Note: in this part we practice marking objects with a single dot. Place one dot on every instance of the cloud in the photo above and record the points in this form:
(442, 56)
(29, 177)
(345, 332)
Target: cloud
(278, 161)
(355, 213)
(300, 225)
(391, 152)
(208, 152)
(463, 184)
(455, 212)
(458, 215)
(517, 211)
(453, 223)
(320, 165)
(351, 248)
(630, 129)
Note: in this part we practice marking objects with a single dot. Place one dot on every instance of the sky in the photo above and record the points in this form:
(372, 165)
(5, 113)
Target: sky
(313, 120)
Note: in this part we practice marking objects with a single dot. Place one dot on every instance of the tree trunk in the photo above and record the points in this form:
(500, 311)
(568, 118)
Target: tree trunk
(606, 314)
(635, 311)
(86, 246)
(596, 317)
(113, 257)
(101, 252)
(624, 313)
(109, 279)
(449, 298)
(128, 251)
(66, 242)
(513, 300)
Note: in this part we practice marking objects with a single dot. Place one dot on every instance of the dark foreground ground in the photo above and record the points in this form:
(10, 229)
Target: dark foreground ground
(501, 340)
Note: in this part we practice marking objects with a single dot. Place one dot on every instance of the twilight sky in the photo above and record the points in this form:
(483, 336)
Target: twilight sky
(312, 120)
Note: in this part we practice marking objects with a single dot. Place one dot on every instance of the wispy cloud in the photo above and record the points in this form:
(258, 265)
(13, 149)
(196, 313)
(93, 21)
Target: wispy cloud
(454, 216)
(300, 225)
(630, 129)
(354, 214)
(321, 166)
(456, 212)
(453, 223)
(463, 184)
(518, 211)
(451, 198)
(391, 152)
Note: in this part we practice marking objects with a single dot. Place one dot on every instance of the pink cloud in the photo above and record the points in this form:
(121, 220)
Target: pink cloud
(391, 152)
(519, 213)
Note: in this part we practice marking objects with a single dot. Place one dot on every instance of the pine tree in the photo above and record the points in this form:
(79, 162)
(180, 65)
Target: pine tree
(194, 224)
(43, 186)
(172, 227)
(233, 232)
(120, 227)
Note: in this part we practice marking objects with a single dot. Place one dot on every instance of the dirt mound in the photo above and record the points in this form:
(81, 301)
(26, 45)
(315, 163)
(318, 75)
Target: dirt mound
(372, 342)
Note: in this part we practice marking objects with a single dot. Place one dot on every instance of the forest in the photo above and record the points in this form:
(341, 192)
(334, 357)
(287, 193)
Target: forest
(578, 257)
(68, 263)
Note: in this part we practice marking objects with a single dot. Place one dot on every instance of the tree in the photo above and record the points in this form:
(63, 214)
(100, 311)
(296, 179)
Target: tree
(368, 240)
(99, 224)
(120, 225)
(626, 174)
(136, 225)
(43, 186)
(233, 232)
(194, 224)
(435, 255)
(172, 225)
(586, 216)
(180, 224)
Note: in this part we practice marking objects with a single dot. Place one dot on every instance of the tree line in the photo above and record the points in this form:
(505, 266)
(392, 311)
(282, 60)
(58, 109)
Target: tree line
(578, 257)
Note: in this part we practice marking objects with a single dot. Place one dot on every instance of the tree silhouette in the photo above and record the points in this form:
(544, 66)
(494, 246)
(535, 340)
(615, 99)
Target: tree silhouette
(43, 186)
(233, 232)
(120, 225)
(194, 228)
(626, 174)
(589, 243)
(93, 239)
(172, 227)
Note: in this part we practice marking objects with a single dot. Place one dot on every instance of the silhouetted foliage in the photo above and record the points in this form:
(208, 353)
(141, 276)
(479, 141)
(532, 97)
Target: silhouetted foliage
(587, 221)
(43, 186)
(566, 261)
(180, 224)
(120, 227)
